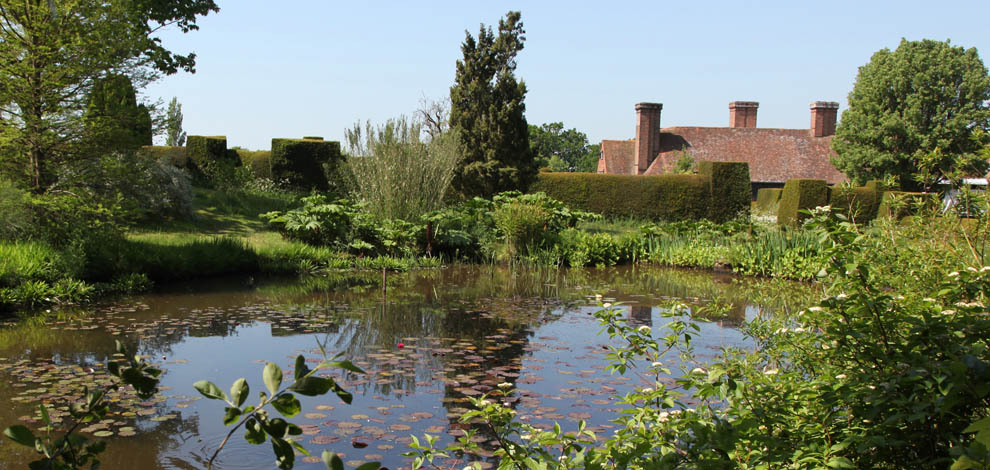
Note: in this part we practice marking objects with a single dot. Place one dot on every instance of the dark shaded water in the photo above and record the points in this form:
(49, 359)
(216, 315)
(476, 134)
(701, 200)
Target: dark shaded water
(463, 330)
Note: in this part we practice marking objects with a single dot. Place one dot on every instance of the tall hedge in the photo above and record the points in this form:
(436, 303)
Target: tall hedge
(767, 200)
(304, 163)
(859, 204)
(260, 161)
(800, 194)
(206, 151)
(730, 189)
(660, 197)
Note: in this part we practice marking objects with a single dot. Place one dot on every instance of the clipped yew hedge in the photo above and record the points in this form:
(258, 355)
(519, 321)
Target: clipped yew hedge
(206, 151)
(767, 200)
(731, 195)
(859, 204)
(304, 163)
(653, 197)
(259, 161)
(800, 194)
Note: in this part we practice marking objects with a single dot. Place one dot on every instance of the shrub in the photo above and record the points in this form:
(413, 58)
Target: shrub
(800, 194)
(305, 164)
(15, 212)
(859, 204)
(524, 226)
(208, 153)
(176, 156)
(662, 197)
(397, 173)
(899, 204)
(729, 182)
(767, 200)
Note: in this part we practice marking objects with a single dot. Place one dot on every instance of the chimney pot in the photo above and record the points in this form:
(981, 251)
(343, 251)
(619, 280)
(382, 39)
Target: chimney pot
(743, 113)
(647, 135)
(823, 118)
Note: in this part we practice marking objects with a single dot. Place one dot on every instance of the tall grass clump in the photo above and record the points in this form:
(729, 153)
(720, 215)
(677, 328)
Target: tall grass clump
(399, 173)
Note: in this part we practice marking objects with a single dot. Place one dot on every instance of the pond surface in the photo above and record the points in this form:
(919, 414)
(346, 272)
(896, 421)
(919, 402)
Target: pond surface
(462, 330)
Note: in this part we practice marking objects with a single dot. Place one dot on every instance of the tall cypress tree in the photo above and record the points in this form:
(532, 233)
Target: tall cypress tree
(487, 107)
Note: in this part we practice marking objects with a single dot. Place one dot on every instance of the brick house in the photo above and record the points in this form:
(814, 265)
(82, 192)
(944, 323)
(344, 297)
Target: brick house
(774, 155)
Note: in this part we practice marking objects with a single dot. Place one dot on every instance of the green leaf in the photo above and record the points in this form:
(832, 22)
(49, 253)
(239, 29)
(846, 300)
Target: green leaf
(840, 462)
(287, 404)
(254, 434)
(210, 390)
(370, 466)
(298, 447)
(44, 415)
(346, 365)
(312, 386)
(239, 391)
(301, 368)
(273, 377)
(277, 428)
(20, 434)
(285, 458)
(332, 460)
(231, 415)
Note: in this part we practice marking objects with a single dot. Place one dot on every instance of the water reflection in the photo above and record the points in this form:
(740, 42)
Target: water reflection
(439, 337)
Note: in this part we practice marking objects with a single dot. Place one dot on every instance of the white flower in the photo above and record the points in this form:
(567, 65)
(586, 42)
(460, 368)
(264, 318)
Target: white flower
(954, 274)
(484, 402)
(657, 364)
(644, 330)
(698, 370)
(663, 416)
(771, 372)
(598, 297)
(985, 269)
(814, 309)
(780, 331)
(971, 269)
(799, 330)
(607, 305)
(840, 376)
(646, 390)
(525, 437)
(504, 385)
(826, 347)
(928, 299)
(842, 296)
(948, 312)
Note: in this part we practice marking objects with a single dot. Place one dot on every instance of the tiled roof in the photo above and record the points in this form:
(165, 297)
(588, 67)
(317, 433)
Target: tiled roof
(617, 157)
(774, 155)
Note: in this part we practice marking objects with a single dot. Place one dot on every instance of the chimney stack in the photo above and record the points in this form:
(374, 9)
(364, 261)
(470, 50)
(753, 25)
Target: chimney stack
(823, 116)
(743, 114)
(647, 134)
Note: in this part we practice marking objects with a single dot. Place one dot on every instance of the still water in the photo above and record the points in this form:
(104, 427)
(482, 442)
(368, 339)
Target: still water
(429, 341)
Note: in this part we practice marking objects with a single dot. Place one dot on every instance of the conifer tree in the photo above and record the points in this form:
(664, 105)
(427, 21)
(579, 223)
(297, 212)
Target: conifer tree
(487, 109)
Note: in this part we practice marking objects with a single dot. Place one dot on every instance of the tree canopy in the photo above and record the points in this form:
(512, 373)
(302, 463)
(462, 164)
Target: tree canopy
(912, 115)
(487, 109)
(562, 149)
(174, 135)
(53, 52)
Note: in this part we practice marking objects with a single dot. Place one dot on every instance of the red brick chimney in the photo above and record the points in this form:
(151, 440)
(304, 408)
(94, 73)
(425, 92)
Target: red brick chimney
(647, 134)
(743, 113)
(823, 115)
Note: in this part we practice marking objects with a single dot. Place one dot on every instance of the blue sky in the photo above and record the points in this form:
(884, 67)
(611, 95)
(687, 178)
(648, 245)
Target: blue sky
(314, 67)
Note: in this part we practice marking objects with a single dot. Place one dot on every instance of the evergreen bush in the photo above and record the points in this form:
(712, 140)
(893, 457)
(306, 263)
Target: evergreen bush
(731, 196)
(800, 194)
(859, 204)
(767, 200)
(305, 163)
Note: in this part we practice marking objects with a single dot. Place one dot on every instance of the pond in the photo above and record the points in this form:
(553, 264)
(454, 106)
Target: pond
(441, 336)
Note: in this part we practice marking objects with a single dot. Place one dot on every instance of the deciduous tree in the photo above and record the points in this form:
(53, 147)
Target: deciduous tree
(488, 111)
(174, 135)
(550, 140)
(53, 51)
(912, 114)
